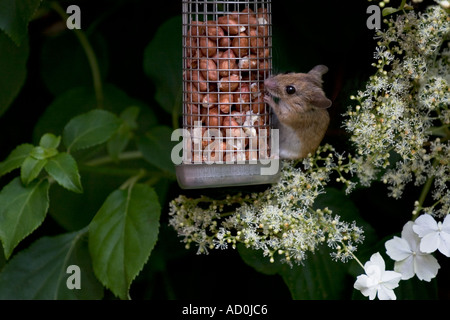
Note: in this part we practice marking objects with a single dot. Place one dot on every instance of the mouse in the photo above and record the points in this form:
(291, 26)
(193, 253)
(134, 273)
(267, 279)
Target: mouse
(299, 107)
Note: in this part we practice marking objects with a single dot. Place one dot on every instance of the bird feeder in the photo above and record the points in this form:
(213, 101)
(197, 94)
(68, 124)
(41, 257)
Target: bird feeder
(227, 55)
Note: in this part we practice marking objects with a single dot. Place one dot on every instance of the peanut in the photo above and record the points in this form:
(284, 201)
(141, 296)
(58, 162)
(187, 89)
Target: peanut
(192, 95)
(210, 100)
(241, 45)
(192, 114)
(230, 25)
(212, 30)
(227, 64)
(208, 69)
(211, 117)
(229, 84)
(225, 102)
(248, 62)
(226, 61)
(207, 47)
(197, 80)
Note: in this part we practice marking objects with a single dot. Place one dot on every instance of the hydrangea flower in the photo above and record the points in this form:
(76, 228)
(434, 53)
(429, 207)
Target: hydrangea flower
(435, 235)
(377, 281)
(409, 260)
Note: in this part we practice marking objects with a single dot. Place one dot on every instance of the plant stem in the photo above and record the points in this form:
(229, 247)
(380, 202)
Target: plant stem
(90, 54)
(133, 180)
(131, 155)
(357, 260)
(424, 193)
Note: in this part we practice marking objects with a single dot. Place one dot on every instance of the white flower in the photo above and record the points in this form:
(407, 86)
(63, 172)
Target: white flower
(435, 235)
(409, 260)
(377, 281)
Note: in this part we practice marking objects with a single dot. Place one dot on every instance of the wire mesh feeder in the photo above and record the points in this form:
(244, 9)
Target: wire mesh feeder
(227, 55)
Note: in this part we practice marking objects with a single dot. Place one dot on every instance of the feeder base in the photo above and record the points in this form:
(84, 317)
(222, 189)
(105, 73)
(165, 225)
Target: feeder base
(198, 176)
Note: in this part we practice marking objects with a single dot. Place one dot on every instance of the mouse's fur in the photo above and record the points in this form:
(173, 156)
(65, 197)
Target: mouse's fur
(299, 104)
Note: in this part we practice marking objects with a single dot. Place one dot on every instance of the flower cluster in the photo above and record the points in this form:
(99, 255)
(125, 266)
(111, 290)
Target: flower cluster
(400, 125)
(412, 254)
(280, 221)
(401, 130)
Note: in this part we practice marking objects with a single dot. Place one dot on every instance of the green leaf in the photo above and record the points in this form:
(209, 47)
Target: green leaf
(256, 260)
(13, 60)
(319, 278)
(50, 141)
(163, 64)
(119, 141)
(63, 168)
(15, 158)
(122, 236)
(22, 210)
(31, 168)
(156, 147)
(81, 100)
(15, 16)
(41, 153)
(40, 272)
(90, 129)
(389, 10)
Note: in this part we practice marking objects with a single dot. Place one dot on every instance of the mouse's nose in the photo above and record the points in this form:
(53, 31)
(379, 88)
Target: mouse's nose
(270, 84)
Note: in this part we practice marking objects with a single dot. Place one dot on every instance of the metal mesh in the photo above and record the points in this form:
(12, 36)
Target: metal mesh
(227, 55)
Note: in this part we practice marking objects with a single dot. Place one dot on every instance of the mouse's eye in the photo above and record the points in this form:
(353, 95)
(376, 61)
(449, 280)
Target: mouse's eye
(290, 89)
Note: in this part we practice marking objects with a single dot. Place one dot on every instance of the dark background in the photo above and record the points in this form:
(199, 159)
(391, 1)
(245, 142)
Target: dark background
(306, 33)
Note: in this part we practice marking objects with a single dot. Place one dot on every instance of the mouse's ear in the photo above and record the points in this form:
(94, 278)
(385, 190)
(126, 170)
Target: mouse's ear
(319, 100)
(318, 71)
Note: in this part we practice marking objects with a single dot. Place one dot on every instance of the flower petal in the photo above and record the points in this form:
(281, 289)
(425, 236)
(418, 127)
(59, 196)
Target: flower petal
(426, 267)
(398, 249)
(364, 284)
(446, 224)
(405, 267)
(430, 242)
(390, 279)
(386, 294)
(376, 260)
(410, 236)
(444, 245)
(424, 225)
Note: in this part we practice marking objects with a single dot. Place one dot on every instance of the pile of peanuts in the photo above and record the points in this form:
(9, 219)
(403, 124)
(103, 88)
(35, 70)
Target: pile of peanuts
(225, 63)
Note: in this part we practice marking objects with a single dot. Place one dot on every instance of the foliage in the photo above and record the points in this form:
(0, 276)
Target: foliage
(86, 178)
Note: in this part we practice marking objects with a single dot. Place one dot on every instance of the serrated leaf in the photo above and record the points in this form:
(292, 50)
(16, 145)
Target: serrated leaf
(50, 141)
(15, 16)
(156, 147)
(122, 236)
(90, 129)
(22, 210)
(162, 63)
(63, 168)
(13, 66)
(31, 168)
(40, 272)
(41, 153)
(15, 158)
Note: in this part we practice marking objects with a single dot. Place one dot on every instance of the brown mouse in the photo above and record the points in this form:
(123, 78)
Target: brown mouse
(299, 106)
